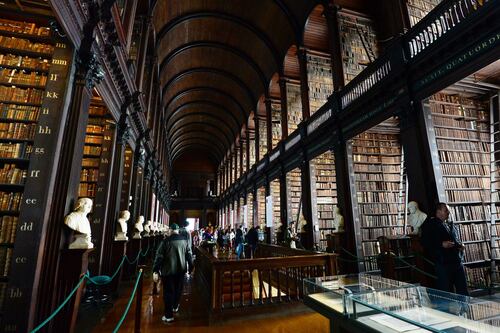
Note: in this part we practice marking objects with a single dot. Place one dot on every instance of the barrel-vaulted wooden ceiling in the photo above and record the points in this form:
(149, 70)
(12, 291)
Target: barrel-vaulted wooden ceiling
(216, 60)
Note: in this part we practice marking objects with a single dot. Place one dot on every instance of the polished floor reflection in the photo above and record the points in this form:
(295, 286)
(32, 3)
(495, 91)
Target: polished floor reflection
(193, 317)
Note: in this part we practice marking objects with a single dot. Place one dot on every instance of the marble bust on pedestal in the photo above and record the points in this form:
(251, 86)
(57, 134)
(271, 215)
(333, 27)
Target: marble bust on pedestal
(338, 220)
(147, 229)
(121, 230)
(416, 217)
(78, 221)
(138, 228)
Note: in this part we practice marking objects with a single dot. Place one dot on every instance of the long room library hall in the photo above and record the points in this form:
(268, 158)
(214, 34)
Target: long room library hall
(279, 166)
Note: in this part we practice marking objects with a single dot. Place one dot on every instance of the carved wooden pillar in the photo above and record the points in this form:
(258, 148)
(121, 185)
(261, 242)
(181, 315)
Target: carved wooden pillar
(123, 134)
(284, 108)
(331, 15)
(141, 61)
(304, 85)
(309, 208)
(137, 181)
(64, 192)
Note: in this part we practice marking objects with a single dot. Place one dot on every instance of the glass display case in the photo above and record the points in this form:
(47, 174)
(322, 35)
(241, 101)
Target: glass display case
(334, 291)
(370, 303)
(419, 309)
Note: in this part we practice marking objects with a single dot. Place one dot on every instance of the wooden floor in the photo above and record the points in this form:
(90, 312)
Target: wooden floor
(192, 317)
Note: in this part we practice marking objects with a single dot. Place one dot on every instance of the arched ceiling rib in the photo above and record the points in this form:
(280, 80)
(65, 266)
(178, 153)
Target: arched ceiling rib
(216, 59)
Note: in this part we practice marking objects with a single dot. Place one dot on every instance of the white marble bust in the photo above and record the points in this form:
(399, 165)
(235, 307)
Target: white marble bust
(147, 229)
(121, 230)
(416, 217)
(338, 220)
(78, 221)
(155, 228)
(138, 228)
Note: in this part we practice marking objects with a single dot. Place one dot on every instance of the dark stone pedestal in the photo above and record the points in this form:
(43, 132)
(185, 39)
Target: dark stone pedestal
(74, 264)
(132, 251)
(117, 252)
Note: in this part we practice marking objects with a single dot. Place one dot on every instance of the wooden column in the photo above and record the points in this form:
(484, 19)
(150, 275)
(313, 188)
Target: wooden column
(331, 15)
(141, 61)
(268, 231)
(249, 132)
(136, 187)
(285, 213)
(309, 208)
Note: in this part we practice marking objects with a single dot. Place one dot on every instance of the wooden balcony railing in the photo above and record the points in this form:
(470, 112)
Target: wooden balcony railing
(448, 15)
(274, 276)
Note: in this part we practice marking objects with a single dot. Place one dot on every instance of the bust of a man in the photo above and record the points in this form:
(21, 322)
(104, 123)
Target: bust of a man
(138, 228)
(338, 220)
(78, 221)
(155, 228)
(416, 217)
(147, 229)
(121, 228)
(302, 224)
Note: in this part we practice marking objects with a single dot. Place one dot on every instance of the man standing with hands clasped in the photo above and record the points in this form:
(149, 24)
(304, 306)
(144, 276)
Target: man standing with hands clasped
(171, 263)
(442, 245)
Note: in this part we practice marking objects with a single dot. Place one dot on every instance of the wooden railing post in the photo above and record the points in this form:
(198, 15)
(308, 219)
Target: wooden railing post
(138, 304)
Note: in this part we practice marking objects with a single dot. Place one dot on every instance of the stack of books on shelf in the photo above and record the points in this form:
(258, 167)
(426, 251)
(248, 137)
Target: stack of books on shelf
(417, 9)
(9, 201)
(326, 194)
(261, 202)
(20, 95)
(5, 257)
(15, 150)
(276, 124)
(275, 192)
(8, 226)
(18, 131)
(23, 44)
(294, 195)
(13, 76)
(380, 186)
(26, 28)
(24, 62)
(26, 113)
(262, 138)
(294, 105)
(319, 79)
(358, 40)
(11, 174)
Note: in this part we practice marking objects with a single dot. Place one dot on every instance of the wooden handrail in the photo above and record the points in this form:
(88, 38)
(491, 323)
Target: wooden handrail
(250, 283)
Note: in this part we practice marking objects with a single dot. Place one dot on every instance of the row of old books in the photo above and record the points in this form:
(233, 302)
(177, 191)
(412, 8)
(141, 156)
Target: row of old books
(21, 95)
(25, 45)
(19, 112)
(19, 131)
(27, 28)
(15, 150)
(24, 62)
(11, 174)
(87, 190)
(8, 225)
(5, 258)
(14, 76)
(9, 201)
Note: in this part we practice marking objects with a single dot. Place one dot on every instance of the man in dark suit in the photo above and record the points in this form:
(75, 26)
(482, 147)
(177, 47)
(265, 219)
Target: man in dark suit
(442, 245)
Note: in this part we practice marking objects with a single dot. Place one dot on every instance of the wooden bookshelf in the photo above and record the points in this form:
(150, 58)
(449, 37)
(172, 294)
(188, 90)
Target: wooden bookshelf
(126, 179)
(294, 195)
(30, 116)
(275, 193)
(250, 221)
(326, 194)
(262, 136)
(494, 106)
(294, 106)
(276, 124)
(377, 177)
(358, 42)
(319, 79)
(243, 150)
(261, 206)
(417, 9)
(96, 169)
(463, 144)
(251, 149)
